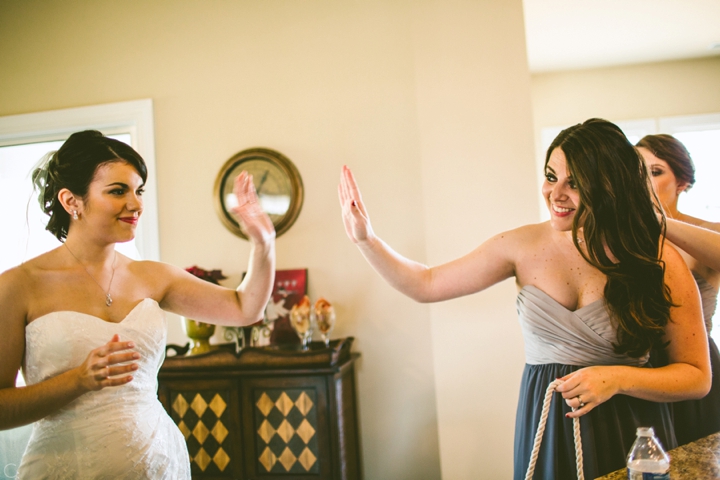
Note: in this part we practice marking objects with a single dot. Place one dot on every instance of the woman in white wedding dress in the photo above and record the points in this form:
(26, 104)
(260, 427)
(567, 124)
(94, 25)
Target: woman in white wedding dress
(87, 324)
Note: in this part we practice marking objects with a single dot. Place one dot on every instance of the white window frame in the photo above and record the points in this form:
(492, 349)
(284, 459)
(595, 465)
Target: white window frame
(133, 117)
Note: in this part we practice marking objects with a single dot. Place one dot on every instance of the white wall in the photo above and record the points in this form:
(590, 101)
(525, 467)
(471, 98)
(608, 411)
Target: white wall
(428, 101)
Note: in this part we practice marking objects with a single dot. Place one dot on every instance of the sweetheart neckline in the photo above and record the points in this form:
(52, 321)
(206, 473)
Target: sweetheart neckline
(547, 295)
(94, 316)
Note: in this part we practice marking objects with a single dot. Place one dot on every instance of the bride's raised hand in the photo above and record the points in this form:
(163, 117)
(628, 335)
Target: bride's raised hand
(102, 366)
(355, 217)
(255, 222)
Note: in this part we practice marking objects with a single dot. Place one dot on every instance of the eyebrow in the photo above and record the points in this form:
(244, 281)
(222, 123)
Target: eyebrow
(548, 167)
(120, 184)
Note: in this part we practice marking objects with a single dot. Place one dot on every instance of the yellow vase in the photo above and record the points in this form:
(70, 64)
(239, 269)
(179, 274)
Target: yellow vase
(199, 334)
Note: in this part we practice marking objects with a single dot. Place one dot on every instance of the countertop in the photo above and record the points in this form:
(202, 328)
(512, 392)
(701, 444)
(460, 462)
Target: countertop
(699, 459)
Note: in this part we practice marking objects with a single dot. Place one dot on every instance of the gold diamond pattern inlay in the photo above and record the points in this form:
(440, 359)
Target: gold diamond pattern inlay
(305, 431)
(284, 404)
(286, 431)
(303, 403)
(219, 432)
(307, 459)
(184, 429)
(266, 431)
(287, 459)
(199, 405)
(268, 459)
(222, 459)
(265, 404)
(180, 405)
(218, 405)
(202, 459)
(201, 432)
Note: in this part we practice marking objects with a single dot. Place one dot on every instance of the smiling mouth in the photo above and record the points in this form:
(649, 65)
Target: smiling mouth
(131, 220)
(559, 209)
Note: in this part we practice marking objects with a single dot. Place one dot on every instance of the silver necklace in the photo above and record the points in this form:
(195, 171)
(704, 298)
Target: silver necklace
(108, 298)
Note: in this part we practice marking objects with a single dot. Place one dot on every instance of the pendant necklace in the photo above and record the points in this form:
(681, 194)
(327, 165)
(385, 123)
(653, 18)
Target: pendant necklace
(108, 298)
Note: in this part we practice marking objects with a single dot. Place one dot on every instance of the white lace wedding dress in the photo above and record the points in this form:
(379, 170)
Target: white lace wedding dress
(114, 433)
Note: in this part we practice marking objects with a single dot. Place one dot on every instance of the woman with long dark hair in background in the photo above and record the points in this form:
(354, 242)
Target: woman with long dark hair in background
(698, 241)
(597, 291)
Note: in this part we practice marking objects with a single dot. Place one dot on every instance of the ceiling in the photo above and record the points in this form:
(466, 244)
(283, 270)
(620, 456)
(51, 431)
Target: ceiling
(577, 34)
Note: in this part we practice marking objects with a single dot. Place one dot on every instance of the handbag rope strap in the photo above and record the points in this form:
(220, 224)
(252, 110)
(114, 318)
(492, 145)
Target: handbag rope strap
(541, 429)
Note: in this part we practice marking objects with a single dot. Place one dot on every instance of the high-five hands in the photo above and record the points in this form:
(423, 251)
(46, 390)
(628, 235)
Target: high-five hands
(255, 222)
(101, 367)
(355, 217)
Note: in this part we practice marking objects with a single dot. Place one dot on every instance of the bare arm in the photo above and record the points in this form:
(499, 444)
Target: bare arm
(701, 243)
(490, 263)
(21, 406)
(186, 295)
(686, 377)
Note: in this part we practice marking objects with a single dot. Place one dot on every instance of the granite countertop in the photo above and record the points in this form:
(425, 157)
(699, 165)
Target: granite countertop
(699, 459)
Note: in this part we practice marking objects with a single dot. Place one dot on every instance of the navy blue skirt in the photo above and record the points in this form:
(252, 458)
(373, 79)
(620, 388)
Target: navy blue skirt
(607, 432)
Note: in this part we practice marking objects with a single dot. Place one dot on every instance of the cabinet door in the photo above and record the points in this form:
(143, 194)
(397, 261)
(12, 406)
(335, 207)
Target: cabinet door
(289, 435)
(207, 412)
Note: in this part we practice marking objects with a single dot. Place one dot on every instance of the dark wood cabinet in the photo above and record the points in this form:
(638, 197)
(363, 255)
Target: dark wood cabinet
(267, 413)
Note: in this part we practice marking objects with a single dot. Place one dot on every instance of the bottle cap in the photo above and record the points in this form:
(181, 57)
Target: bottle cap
(645, 432)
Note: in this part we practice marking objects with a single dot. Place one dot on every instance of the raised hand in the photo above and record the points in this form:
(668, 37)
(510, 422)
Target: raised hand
(355, 217)
(101, 367)
(255, 222)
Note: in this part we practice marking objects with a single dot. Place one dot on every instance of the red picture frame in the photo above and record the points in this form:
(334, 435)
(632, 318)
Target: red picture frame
(289, 288)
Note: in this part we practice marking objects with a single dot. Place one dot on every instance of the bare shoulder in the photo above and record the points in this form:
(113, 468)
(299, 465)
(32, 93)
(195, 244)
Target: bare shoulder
(14, 287)
(158, 276)
(522, 236)
(156, 272)
(676, 270)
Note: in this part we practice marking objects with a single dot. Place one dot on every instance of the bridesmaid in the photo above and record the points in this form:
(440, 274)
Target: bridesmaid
(698, 241)
(595, 283)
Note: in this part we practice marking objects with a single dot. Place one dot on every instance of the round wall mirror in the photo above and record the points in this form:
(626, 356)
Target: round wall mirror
(277, 181)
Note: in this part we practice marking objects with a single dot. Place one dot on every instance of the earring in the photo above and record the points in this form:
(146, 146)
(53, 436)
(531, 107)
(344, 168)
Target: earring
(75, 215)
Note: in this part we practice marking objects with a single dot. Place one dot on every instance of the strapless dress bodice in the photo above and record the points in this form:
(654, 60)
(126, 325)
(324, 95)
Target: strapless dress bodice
(555, 334)
(115, 432)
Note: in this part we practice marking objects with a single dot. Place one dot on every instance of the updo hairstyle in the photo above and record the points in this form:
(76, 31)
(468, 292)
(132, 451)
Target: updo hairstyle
(668, 148)
(73, 167)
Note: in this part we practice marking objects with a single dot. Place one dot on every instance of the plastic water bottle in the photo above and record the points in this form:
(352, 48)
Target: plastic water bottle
(647, 459)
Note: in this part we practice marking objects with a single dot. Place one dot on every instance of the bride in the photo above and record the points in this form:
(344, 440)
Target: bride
(87, 324)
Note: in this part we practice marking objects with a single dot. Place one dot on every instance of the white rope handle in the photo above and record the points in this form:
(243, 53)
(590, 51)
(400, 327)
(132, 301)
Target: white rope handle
(541, 429)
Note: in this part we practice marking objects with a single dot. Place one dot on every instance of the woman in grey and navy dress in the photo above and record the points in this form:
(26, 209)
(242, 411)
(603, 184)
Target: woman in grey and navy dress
(598, 290)
(698, 241)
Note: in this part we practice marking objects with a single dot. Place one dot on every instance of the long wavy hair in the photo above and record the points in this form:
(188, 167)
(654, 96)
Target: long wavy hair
(73, 167)
(618, 214)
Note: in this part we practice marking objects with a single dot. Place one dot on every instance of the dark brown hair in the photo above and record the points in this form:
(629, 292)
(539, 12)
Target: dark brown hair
(668, 148)
(73, 167)
(617, 213)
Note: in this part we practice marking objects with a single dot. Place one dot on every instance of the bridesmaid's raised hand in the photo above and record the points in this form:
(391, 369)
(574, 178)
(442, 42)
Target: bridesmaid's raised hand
(101, 367)
(355, 217)
(255, 222)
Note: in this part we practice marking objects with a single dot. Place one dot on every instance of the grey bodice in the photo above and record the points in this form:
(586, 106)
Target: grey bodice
(708, 296)
(554, 334)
